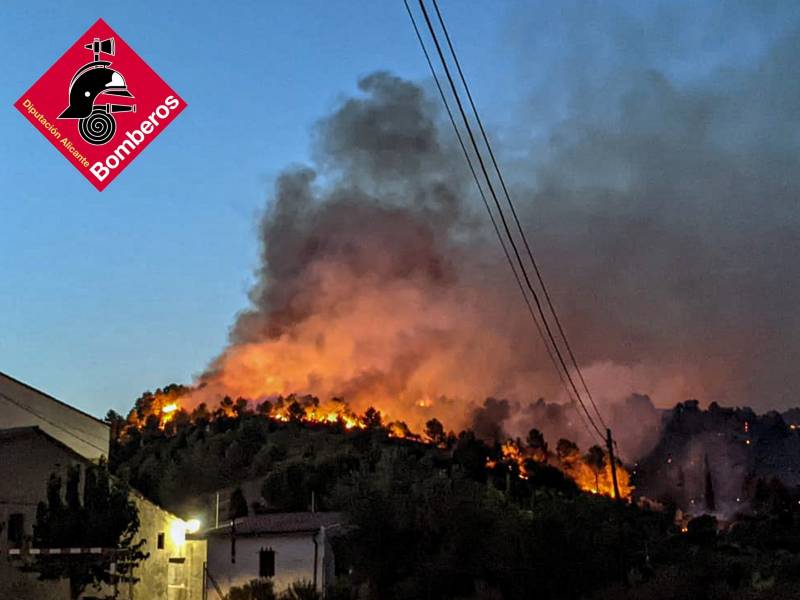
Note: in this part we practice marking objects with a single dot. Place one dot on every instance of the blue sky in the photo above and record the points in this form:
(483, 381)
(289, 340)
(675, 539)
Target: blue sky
(108, 294)
(105, 295)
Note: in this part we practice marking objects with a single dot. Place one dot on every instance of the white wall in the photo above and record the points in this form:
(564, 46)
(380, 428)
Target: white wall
(294, 559)
(159, 578)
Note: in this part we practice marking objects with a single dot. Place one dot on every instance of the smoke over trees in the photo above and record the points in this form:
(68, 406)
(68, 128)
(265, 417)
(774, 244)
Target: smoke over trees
(662, 206)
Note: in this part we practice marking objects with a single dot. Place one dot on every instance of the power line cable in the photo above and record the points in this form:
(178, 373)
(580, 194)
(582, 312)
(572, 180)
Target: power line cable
(492, 218)
(500, 177)
(502, 216)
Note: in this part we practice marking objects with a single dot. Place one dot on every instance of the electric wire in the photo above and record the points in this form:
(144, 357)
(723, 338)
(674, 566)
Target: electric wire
(482, 164)
(503, 219)
(500, 177)
(491, 216)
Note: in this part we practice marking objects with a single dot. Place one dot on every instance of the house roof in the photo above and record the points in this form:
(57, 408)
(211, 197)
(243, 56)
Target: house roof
(298, 522)
(54, 399)
(11, 433)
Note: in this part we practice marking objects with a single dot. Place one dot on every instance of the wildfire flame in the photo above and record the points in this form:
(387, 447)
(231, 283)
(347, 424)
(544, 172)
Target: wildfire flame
(164, 407)
(574, 465)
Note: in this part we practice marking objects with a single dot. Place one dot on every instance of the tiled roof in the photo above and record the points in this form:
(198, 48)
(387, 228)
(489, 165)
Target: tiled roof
(280, 523)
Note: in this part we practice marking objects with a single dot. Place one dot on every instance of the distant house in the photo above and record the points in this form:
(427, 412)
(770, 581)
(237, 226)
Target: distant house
(40, 435)
(285, 547)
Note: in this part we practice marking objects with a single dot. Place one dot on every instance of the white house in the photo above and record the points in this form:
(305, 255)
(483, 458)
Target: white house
(286, 547)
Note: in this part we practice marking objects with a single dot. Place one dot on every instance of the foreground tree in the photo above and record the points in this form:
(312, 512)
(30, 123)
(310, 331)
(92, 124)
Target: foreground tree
(102, 517)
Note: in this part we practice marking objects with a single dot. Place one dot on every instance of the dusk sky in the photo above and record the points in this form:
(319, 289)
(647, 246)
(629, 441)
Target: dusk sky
(129, 289)
(106, 295)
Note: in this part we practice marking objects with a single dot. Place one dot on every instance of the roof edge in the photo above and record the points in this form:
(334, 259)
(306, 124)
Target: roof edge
(36, 430)
(46, 395)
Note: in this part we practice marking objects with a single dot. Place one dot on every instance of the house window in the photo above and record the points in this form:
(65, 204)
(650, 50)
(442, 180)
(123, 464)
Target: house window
(266, 562)
(160, 543)
(16, 529)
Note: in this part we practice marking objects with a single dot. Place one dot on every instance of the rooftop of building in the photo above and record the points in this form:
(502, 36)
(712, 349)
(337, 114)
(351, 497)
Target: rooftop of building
(49, 397)
(294, 522)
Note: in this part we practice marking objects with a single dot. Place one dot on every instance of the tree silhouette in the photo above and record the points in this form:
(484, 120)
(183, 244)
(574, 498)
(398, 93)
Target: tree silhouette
(566, 450)
(238, 506)
(537, 443)
(435, 432)
(102, 517)
(596, 459)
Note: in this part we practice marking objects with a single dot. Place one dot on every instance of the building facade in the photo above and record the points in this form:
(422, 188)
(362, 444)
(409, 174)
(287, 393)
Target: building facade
(24, 406)
(284, 547)
(33, 445)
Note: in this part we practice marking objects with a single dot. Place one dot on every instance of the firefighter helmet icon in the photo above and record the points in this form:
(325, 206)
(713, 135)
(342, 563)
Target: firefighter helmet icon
(96, 122)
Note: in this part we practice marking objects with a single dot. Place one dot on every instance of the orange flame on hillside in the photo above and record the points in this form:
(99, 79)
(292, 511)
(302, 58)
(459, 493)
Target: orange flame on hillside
(164, 409)
(574, 465)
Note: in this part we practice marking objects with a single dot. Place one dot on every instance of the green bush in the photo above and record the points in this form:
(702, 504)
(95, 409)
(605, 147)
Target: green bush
(256, 589)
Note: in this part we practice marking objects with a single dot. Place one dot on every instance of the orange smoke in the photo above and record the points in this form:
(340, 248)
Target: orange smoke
(415, 356)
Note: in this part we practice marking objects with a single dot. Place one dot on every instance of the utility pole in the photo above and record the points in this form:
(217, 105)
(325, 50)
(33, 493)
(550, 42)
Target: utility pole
(610, 446)
(233, 541)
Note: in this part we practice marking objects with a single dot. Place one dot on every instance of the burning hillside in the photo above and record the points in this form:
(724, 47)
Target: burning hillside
(592, 472)
(164, 411)
(379, 281)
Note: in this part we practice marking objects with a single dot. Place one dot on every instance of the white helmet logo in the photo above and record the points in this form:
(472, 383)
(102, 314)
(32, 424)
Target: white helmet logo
(116, 81)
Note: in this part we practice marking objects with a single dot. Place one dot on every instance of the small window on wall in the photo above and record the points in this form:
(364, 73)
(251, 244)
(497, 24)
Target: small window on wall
(266, 562)
(160, 543)
(16, 529)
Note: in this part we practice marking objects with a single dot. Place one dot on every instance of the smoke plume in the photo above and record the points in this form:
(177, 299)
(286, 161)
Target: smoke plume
(377, 281)
(662, 203)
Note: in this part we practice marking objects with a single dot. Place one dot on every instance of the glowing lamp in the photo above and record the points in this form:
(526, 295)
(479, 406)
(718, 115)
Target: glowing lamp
(192, 525)
(177, 532)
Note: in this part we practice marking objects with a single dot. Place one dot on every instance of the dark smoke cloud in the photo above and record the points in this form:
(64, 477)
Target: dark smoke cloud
(663, 206)
(488, 420)
(666, 200)
(377, 281)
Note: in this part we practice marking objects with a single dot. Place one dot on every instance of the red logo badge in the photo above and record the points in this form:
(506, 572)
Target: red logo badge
(100, 104)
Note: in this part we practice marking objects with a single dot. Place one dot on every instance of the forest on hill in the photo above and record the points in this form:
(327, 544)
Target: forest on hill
(449, 516)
